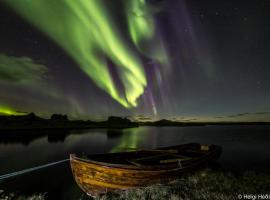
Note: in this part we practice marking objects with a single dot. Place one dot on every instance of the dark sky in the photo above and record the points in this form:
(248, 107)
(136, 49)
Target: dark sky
(216, 67)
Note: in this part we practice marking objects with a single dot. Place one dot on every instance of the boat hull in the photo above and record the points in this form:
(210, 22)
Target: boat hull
(96, 178)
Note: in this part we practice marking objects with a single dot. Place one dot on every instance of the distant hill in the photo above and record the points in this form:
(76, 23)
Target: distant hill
(58, 121)
(165, 122)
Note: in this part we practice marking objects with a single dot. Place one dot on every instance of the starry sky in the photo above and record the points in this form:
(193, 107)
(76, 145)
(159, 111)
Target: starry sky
(147, 59)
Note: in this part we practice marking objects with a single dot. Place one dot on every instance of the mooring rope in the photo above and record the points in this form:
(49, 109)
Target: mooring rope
(5, 176)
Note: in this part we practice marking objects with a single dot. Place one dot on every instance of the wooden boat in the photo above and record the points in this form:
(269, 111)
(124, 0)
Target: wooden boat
(100, 173)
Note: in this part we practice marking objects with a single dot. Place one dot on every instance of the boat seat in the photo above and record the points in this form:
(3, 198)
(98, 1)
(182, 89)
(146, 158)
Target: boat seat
(134, 163)
(174, 160)
(158, 159)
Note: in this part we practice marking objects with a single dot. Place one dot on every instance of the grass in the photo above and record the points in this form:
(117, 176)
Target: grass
(12, 196)
(203, 185)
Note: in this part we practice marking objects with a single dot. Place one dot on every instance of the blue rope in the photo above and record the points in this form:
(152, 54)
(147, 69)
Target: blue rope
(5, 176)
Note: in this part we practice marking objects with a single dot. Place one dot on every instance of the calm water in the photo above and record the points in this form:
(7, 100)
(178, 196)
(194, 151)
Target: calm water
(244, 147)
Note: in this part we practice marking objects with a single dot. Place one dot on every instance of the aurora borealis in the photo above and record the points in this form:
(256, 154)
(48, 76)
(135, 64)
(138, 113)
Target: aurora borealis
(148, 59)
(83, 28)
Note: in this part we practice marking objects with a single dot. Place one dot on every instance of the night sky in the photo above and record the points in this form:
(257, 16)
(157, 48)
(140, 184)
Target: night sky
(183, 60)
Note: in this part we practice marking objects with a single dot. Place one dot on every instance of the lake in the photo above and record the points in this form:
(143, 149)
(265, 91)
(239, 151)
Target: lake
(244, 148)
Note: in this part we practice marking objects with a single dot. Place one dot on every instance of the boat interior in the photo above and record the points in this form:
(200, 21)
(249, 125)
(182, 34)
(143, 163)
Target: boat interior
(182, 154)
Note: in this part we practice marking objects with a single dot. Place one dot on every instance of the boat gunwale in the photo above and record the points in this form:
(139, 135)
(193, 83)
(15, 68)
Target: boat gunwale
(146, 168)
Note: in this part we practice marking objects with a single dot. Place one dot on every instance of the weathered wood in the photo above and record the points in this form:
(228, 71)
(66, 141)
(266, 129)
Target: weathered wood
(118, 171)
(174, 160)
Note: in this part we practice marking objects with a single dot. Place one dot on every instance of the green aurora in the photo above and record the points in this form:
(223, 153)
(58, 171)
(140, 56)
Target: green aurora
(85, 30)
(130, 140)
(142, 29)
(22, 71)
(4, 110)
(27, 76)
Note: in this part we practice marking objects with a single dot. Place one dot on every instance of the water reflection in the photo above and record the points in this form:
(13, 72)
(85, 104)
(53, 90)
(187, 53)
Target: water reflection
(57, 137)
(130, 140)
(244, 147)
(114, 133)
(21, 137)
(26, 137)
(23, 150)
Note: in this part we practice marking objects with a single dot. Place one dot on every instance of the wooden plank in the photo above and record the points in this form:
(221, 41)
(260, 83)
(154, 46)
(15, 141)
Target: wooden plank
(174, 160)
(96, 177)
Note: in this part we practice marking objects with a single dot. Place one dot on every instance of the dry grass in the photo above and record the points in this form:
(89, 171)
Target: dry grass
(202, 185)
(14, 197)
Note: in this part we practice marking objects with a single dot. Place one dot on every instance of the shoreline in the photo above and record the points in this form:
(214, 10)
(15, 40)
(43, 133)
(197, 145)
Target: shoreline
(203, 184)
(67, 128)
(31, 122)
